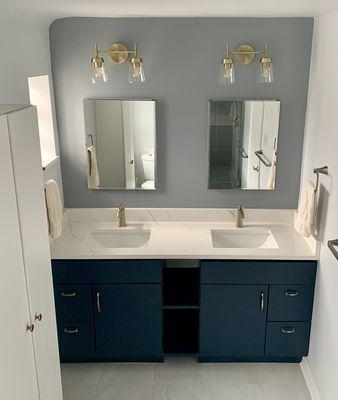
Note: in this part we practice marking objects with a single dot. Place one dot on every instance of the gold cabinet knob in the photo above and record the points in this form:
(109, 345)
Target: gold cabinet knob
(38, 317)
(30, 328)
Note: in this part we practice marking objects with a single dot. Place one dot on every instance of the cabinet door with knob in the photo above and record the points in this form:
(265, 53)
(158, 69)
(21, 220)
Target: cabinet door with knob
(232, 321)
(128, 321)
(16, 348)
(25, 151)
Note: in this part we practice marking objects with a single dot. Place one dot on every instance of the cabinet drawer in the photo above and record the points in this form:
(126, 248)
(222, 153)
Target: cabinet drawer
(287, 339)
(290, 302)
(107, 271)
(258, 272)
(76, 341)
(73, 303)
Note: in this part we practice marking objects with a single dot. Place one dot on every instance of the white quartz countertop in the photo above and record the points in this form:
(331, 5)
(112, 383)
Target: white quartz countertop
(181, 234)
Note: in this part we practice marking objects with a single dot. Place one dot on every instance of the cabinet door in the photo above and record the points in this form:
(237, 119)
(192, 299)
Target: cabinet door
(232, 320)
(18, 379)
(26, 158)
(128, 321)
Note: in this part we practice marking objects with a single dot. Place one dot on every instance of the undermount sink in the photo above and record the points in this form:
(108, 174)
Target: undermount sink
(243, 239)
(118, 238)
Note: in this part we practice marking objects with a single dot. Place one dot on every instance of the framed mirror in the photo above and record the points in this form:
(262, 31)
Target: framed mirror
(243, 144)
(120, 143)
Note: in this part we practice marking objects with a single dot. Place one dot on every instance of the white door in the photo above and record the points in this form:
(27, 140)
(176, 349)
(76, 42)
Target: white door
(128, 136)
(24, 138)
(18, 379)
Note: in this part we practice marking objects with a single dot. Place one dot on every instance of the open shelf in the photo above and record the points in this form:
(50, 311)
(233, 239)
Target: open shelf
(180, 288)
(180, 331)
(181, 280)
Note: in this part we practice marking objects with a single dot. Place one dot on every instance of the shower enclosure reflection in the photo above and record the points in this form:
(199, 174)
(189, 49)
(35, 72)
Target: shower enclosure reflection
(243, 138)
(120, 143)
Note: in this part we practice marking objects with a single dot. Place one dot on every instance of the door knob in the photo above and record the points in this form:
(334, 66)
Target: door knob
(30, 327)
(38, 317)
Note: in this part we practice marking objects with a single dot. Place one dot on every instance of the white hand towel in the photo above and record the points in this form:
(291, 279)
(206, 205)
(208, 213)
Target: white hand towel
(54, 208)
(306, 210)
(272, 174)
(92, 168)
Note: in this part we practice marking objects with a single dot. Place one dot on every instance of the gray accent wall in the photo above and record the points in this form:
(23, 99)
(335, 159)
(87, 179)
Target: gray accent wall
(181, 60)
(24, 46)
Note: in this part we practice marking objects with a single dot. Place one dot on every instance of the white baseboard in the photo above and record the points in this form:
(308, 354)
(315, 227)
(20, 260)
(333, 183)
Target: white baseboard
(310, 383)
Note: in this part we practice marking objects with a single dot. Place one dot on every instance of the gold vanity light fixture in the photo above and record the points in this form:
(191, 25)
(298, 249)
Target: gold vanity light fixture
(99, 71)
(244, 55)
(266, 70)
(227, 70)
(119, 54)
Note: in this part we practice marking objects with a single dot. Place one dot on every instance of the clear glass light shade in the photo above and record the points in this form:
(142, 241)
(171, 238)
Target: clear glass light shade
(265, 71)
(226, 72)
(99, 73)
(136, 71)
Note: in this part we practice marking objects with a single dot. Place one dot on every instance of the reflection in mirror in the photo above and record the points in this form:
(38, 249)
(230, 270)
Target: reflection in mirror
(120, 143)
(243, 138)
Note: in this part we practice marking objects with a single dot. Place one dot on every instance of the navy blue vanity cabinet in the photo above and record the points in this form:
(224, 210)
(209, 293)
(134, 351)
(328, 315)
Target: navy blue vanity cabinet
(128, 321)
(233, 320)
(109, 310)
(256, 310)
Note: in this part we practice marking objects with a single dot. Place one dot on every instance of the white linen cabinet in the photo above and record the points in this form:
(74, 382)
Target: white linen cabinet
(29, 361)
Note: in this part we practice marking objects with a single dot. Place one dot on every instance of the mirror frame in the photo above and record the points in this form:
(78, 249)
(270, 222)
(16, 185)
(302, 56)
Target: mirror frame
(155, 140)
(208, 140)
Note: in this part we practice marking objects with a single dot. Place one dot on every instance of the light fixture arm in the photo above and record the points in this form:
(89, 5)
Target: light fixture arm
(244, 52)
(97, 51)
(109, 51)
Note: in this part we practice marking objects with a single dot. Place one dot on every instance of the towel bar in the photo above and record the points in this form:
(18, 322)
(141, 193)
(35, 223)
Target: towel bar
(262, 158)
(322, 170)
(332, 244)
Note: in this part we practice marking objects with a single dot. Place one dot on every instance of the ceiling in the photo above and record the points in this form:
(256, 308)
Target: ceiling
(53, 9)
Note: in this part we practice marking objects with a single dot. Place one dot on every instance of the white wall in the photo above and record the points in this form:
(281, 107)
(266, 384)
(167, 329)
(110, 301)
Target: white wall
(24, 49)
(321, 148)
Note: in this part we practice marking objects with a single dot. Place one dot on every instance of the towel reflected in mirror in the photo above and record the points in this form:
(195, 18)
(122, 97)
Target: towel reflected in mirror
(92, 168)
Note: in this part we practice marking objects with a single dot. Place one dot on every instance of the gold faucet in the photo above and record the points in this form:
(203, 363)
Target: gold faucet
(121, 215)
(240, 216)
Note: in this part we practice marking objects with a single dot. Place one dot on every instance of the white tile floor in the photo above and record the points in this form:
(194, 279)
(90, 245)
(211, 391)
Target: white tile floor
(183, 379)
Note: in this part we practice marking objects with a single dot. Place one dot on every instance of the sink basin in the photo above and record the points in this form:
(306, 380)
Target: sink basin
(243, 239)
(118, 238)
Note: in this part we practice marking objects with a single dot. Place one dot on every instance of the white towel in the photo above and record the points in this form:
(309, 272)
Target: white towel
(54, 208)
(272, 174)
(306, 210)
(92, 168)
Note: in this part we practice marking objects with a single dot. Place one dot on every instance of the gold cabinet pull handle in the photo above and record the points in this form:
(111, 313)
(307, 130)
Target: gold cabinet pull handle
(98, 302)
(291, 293)
(288, 330)
(38, 317)
(30, 327)
(71, 331)
(68, 294)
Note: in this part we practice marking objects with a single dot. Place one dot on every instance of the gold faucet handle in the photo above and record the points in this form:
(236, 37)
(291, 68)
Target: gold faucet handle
(241, 211)
(121, 206)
